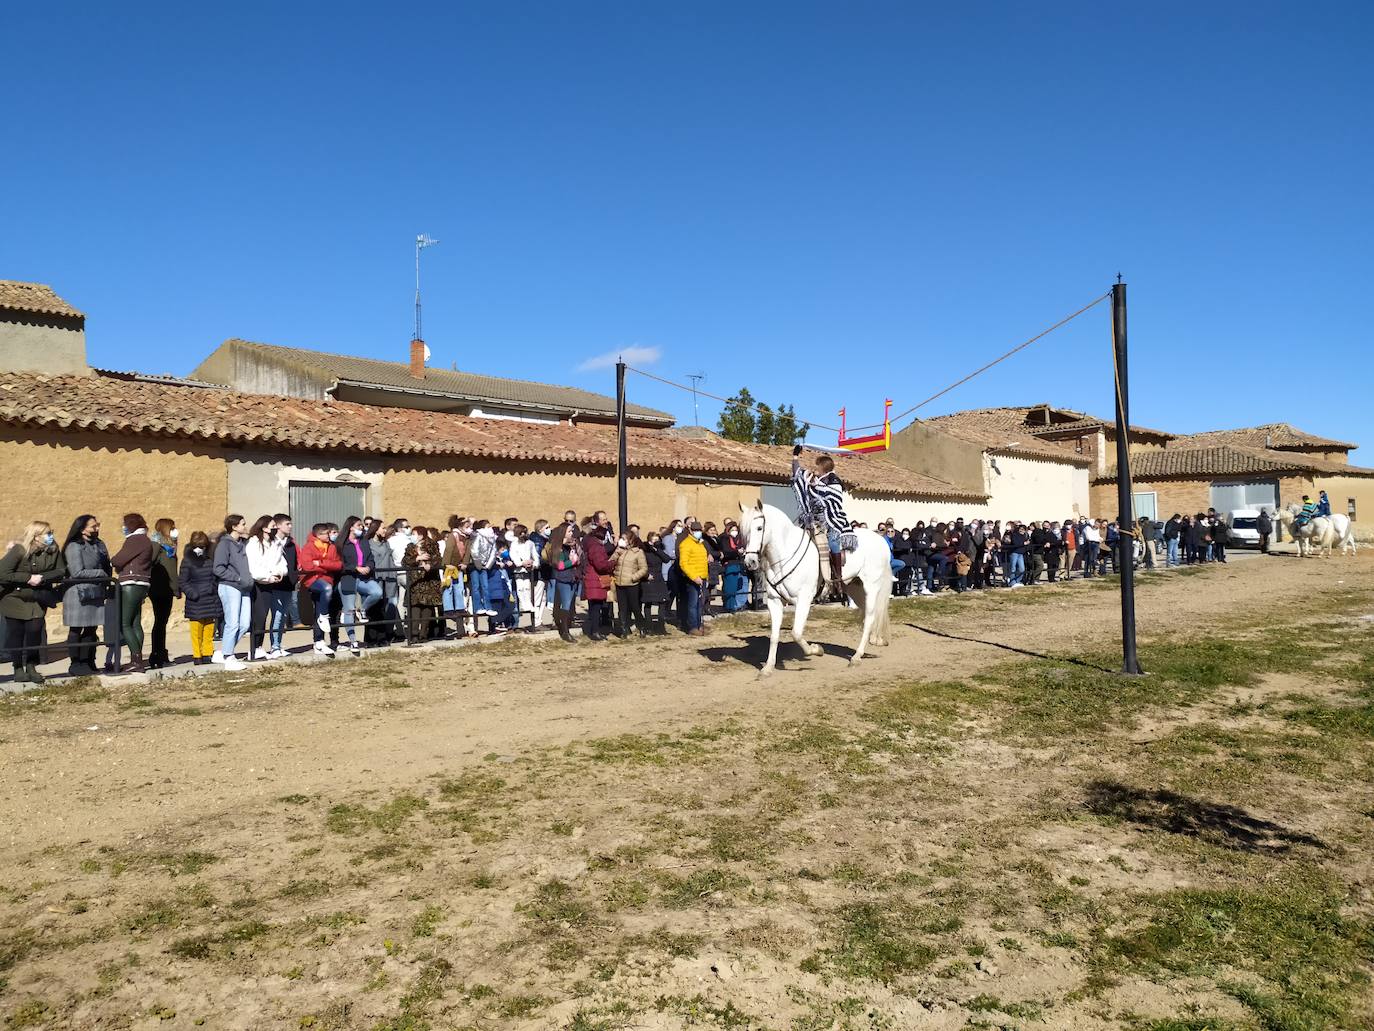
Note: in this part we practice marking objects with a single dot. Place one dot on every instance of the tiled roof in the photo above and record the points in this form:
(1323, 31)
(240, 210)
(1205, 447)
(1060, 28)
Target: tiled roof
(35, 297)
(1002, 431)
(1089, 424)
(1271, 435)
(145, 408)
(1227, 460)
(467, 386)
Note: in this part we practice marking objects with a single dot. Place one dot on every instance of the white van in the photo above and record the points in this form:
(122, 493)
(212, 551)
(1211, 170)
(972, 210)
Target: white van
(1245, 527)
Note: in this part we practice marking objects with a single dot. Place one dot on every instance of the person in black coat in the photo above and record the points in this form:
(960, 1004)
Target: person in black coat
(196, 579)
(653, 592)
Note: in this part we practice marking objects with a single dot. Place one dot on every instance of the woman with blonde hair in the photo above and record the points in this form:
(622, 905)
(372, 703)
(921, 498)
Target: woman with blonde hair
(28, 572)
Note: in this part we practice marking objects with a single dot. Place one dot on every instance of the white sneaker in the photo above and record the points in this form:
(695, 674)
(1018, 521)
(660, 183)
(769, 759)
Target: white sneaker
(360, 616)
(353, 647)
(217, 658)
(233, 664)
(322, 648)
(322, 622)
(275, 653)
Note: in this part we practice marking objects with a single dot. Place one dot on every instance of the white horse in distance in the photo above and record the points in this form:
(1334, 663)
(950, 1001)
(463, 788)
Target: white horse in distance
(789, 564)
(1322, 533)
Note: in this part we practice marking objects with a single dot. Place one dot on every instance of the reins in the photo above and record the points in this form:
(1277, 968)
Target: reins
(799, 555)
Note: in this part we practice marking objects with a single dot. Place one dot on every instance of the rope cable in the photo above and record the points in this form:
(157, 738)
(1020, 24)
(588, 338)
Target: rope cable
(727, 400)
(897, 418)
(1018, 347)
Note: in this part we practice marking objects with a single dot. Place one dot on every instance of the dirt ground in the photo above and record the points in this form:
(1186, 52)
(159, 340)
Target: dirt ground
(963, 831)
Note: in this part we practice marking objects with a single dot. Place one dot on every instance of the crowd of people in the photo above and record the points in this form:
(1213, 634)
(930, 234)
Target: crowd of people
(367, 583)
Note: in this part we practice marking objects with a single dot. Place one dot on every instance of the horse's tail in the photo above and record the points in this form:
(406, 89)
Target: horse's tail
(883, 599)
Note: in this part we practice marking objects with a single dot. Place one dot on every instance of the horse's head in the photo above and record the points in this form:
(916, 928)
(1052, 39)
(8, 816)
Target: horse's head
(751, 528)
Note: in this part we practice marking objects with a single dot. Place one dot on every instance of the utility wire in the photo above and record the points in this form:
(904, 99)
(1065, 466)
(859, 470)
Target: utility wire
(1018, 347)
(903, 415)
(727, 400)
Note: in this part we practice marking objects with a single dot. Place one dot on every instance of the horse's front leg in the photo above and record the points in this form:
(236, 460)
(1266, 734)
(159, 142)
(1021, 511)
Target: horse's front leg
(775, 631)
(799, 623)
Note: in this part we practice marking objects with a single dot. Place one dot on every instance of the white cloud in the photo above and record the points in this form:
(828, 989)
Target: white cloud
(630, 355)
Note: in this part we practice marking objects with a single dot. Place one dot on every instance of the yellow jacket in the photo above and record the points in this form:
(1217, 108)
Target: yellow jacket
(691, 558)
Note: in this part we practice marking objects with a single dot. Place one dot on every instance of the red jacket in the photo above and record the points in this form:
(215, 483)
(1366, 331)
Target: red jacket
(319, 560)
(598, 562)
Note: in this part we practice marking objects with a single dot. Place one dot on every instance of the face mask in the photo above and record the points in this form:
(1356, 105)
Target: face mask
(696, 534)
(174, 534)
(357, 531)
(333, 536)
(198, 551)
(734, 533)
(622, 542)
(905, 536)
(48, 538)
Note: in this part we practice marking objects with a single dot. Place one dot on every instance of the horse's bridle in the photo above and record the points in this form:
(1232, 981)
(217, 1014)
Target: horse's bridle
(757, 551)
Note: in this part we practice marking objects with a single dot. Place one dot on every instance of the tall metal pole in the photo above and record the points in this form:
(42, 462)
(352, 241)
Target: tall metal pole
(621, 470)
(418, 246)
(1126, 524)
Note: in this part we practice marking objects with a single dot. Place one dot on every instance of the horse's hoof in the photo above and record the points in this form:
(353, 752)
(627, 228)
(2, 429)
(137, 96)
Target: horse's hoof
(814, 650)
(766, 671)
(855, 660)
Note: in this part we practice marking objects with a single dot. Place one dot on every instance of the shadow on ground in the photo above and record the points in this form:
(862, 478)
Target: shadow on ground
(1224, 825)
(753, 650)
(1070, 660)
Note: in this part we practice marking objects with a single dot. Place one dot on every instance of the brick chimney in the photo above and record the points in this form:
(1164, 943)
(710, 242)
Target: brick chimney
(417, 359)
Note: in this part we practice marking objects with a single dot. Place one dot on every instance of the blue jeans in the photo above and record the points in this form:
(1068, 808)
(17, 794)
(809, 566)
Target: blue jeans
(278, 604)
(480, 601)
(1173, 552)
(370, 591)
(935, 569)
(238, 615)
(693, 594)
(832, 540)
(1016, 568)
(897, 566)
(564, 595)
(321, 593)
(455, 598)
(1090, 561)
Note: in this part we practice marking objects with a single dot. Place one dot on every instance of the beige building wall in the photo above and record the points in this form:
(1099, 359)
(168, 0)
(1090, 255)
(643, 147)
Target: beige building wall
(1343, 490)
(428, 490)
(55, 346)
(58, 476)
(906, 512)
(260, 483)
(924, 449)
(1032, 489)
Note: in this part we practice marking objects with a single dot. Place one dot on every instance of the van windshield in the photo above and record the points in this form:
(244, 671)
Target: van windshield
(1245, 523)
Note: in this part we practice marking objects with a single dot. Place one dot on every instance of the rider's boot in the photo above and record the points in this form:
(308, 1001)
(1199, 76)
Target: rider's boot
(835, 584)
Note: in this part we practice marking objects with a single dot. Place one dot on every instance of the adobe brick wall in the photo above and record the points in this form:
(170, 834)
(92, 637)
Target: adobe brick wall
(58, 476)
(428, 490)
(1187, 496)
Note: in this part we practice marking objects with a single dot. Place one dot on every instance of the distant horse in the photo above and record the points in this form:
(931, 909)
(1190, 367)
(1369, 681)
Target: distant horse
(788, 562)
(1322, 532)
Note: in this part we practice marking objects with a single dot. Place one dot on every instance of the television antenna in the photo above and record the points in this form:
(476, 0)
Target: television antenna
(421, 242)
(695, 377)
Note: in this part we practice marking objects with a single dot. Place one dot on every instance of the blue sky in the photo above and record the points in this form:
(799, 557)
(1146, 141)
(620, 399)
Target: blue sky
(828, 203)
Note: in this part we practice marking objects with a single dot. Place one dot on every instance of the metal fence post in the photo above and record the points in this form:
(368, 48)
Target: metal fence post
(403, 611)
(119, 626)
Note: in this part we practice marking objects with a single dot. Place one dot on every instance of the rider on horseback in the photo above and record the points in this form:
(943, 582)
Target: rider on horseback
(820, 501)
(1309, 511)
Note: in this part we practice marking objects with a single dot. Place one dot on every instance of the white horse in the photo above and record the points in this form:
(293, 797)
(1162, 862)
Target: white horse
(787, 560)
(1322, 533)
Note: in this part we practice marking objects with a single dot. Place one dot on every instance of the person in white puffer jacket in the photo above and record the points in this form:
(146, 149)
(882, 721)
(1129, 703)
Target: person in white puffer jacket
(266, 551)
